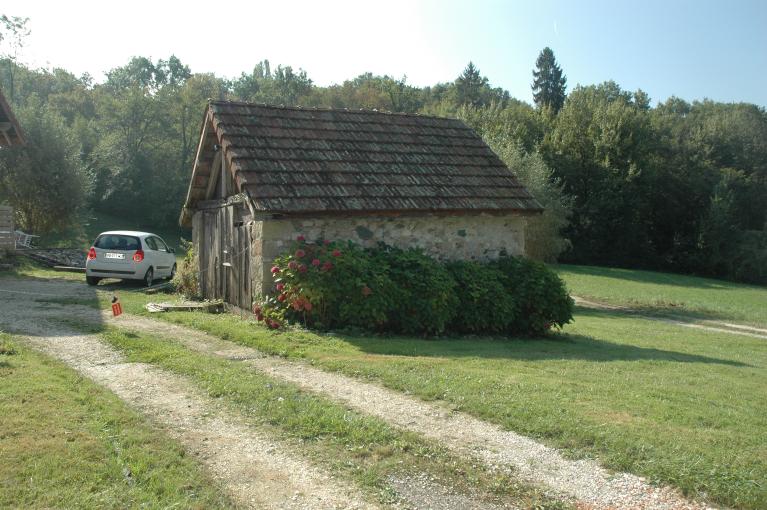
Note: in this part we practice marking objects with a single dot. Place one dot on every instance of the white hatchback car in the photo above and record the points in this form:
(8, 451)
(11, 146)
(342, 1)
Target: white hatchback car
(129, 255)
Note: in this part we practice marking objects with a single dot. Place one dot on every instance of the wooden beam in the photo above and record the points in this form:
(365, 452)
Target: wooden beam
(224, 180)
(214, 175)
(185, 218)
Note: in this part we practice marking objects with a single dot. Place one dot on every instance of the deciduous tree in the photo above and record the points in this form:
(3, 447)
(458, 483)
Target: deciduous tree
(45, 180)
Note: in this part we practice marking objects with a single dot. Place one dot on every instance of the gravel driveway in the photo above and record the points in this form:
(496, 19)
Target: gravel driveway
(251, 465)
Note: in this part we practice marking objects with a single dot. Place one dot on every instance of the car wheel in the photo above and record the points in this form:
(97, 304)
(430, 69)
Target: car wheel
(149, 277)
(172, 272)
(92, 280)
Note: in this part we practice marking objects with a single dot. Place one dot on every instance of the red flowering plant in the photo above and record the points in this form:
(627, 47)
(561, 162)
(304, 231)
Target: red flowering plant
(327, 284)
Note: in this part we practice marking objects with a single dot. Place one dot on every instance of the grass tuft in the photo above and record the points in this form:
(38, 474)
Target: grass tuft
(68, 443)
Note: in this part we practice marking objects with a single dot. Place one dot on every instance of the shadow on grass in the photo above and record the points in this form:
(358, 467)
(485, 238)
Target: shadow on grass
(562, 346)
(652, 277)
(659, 312)
(31, 305)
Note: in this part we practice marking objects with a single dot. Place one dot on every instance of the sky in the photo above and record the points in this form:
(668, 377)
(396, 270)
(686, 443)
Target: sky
(690, 49)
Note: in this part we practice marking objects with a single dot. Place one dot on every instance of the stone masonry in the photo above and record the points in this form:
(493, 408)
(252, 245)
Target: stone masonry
(459, 237)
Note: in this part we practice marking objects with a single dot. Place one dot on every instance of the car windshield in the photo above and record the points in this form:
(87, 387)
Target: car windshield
(117, 242)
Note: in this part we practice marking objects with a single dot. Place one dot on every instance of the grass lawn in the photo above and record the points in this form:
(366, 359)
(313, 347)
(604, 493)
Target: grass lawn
(67, 443)
(90, 224)
(28, 268)
(679, 406)
(353, 445)
(668, 293)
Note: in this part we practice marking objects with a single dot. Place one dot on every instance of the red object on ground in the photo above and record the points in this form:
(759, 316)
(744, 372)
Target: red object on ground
(117, 308)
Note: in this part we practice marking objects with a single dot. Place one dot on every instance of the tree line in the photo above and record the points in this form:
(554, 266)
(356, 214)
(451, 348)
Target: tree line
(677, 186)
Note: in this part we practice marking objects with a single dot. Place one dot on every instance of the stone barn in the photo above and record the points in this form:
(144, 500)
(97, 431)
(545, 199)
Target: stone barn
(265, 174)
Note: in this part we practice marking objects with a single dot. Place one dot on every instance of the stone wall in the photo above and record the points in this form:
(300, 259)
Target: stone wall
(461, 237)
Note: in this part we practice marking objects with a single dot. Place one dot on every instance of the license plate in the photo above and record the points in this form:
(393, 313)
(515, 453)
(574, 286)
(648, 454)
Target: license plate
(114, 256)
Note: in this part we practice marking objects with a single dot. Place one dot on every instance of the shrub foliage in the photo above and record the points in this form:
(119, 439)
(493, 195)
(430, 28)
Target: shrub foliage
(327, 284)
(187, 279)
(541, 297)
(485, 303)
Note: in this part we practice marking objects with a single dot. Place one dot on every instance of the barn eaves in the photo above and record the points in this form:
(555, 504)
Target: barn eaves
(302, 161)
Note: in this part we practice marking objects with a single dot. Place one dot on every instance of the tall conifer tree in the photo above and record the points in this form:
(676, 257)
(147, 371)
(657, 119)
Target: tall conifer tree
(548, 81)
(469, 86)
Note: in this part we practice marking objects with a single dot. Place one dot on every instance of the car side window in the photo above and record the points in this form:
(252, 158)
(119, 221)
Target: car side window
(150, 243)
(161, 244)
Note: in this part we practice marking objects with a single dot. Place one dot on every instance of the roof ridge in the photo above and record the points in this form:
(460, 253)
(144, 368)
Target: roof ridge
(327, 109)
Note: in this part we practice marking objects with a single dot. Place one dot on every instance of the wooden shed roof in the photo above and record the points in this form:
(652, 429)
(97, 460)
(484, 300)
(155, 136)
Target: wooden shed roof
(303, 160)
(10, 131)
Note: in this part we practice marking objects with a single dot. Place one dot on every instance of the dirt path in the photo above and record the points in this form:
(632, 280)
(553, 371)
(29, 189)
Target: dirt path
(235, 448)
(705, 325)
(256, 470)
(584, 480)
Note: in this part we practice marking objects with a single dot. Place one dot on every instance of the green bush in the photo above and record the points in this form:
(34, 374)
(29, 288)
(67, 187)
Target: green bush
(327, 284)
(425, 300)
(187, 279)
(541, 296)
(484, 306)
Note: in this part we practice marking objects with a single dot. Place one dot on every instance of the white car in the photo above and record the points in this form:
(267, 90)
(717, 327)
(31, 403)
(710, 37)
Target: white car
(129, 255)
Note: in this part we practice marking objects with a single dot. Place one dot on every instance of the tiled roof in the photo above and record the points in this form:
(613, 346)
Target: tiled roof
(297, 160)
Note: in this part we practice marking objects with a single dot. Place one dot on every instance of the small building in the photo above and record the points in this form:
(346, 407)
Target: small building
(264, 175)
(10, 136)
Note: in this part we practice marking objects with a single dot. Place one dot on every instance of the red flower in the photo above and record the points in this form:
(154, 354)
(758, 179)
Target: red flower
(302, 268)
(300, 239)
(308, 306)
(275, 269)
(256, 309)
(327, 266)
(300, 254)
(316, 262)
(326, 242)
(279, 286)
(336, 253)
(292, 264)
(281, 298)
(273, 324)
(366, 291)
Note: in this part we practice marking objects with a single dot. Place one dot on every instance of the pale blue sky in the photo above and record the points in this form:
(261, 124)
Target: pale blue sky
(692, 49)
